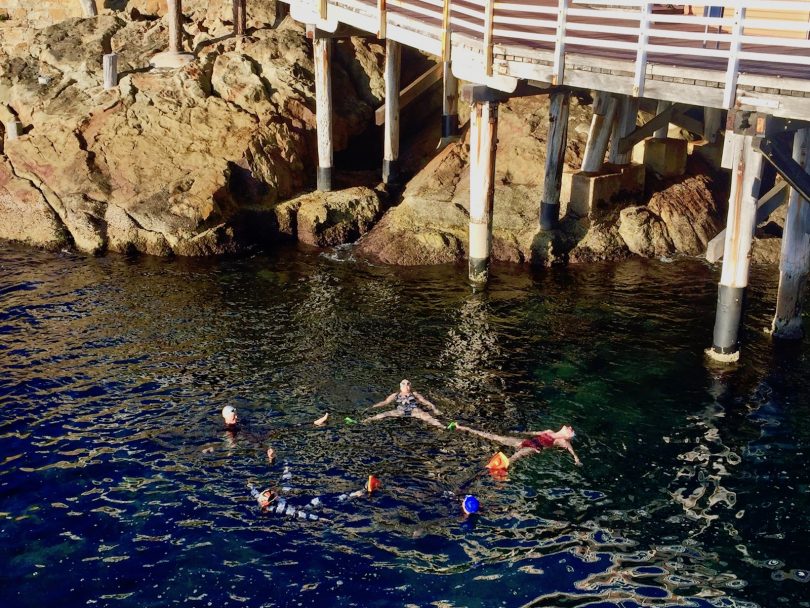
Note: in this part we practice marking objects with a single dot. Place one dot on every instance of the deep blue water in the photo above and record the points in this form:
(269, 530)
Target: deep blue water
(119, 487)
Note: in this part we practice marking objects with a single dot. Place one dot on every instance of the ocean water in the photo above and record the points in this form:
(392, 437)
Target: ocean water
(120, 487)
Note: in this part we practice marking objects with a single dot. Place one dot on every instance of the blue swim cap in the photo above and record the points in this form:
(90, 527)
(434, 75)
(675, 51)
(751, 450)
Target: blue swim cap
(470, 504)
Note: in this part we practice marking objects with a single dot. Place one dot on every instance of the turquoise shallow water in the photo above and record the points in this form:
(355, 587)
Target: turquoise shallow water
(118, 486)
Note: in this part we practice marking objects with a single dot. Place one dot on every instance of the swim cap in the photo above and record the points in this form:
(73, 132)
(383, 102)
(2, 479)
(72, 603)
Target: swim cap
(228, 410)
(498, 462)
(470, 504)
(372, 484)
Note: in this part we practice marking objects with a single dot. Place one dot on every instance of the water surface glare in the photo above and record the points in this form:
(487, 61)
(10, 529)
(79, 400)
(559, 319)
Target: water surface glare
(119, 486)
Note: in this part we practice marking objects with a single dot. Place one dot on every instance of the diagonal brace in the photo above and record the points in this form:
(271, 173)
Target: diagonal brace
(777, 152)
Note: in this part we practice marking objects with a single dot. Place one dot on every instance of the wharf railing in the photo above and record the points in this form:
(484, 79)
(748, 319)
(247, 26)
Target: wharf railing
(630, 30)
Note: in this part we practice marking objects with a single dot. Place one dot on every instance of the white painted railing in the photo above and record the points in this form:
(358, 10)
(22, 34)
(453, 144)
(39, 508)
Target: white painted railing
(630, 27)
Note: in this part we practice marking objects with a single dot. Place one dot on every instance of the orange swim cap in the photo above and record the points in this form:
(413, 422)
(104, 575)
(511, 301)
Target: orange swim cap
(498, 462)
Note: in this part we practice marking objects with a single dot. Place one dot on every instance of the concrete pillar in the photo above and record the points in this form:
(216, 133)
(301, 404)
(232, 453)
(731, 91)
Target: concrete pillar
(239, 17)
(663, 132)
(110, 63)
(322, 48)
(623, 125)
(795, 259)
(89, 8)
(175, 17)
(393, 55)
(14, 129)
(604, 110)
(740, 225)
(449, 103)
(483, 143)
(555, 159)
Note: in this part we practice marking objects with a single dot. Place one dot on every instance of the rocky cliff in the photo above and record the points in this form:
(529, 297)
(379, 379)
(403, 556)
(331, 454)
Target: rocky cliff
(220, 155)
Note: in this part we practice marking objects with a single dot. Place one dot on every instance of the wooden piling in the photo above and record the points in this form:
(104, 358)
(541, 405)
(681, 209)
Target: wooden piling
(483, 144)
(604, 110)
(175, 17)
(555, 159)
(110, 63)
(623, 125)
(794, 262)
(449, 103)
(712, 121)
(89, 8)
(240, 17)
(322, 47)
(740, 225)
(663, 132)
(393, 54)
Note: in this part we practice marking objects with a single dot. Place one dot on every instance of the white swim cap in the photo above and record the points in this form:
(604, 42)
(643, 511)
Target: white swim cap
(228, 410)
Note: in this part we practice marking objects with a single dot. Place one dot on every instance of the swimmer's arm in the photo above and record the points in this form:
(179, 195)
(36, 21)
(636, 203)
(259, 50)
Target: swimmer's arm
(567, 446)
(424, 401)
(388, 400)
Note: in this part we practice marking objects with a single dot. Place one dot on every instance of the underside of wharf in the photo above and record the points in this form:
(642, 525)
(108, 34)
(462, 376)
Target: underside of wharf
(732, 71)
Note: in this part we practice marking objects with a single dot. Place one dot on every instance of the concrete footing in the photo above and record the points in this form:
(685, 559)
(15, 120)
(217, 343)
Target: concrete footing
(588, 193)
(170, 60)
(666, 157)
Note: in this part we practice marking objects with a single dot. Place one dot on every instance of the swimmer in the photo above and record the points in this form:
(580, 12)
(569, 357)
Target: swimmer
(538, 441)
(407, 402)
(230, 416)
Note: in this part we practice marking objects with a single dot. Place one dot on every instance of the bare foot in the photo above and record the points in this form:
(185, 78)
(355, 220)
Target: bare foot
(322, 420)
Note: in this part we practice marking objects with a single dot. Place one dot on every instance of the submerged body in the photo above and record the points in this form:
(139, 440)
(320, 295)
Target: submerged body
(538, 440)
(407, 404)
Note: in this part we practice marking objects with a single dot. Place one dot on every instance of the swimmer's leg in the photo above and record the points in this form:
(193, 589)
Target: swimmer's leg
(388, 414)
(502, 439)
(425, 417)
(521, 453)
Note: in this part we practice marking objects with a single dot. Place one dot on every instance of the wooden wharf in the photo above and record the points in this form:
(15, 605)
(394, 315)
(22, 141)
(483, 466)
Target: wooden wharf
(745, 74)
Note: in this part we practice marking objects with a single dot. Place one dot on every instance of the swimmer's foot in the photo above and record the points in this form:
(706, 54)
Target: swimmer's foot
(322, 420)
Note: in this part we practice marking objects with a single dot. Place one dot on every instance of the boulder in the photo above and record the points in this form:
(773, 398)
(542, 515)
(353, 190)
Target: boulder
(326, 219)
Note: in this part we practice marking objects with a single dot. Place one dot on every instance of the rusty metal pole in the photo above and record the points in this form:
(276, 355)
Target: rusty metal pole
(239, 17)
(483, 144)
(740, 225)
(175, 16)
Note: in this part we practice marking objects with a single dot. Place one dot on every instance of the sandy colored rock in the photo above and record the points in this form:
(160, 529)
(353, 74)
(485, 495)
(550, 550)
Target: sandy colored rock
(644, 233)
(325, 219)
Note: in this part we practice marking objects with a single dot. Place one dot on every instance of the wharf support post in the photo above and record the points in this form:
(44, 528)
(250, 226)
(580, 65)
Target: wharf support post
(555, 159)
(322, 47)
(746, 168)
(449, 104)
(483, 144)
(393, 55)
(794, 261)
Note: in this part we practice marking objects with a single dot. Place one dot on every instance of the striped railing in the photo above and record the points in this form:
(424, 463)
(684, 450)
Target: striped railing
(585, 27)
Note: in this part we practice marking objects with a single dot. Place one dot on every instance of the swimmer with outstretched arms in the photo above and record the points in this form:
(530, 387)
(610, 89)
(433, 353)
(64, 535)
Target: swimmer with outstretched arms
(538, 441)
(407, 404)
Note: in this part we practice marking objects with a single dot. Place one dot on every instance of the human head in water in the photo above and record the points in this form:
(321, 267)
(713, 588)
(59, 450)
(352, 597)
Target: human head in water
(405, 387)
(229, 415)
(566, 432)
(470, 505)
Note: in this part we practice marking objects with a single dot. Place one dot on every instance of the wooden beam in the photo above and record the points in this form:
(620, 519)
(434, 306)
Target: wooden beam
(489, 24)
(649, 128)
(412, 91)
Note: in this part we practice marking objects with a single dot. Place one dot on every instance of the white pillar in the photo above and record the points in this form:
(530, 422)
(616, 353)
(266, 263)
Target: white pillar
(322, 48)
(393, 54)
(712, 117)
(795, 259)
(604, 110)
(740, 225)
(89, 8)
(483, 143)
(555, 159)
(110, 71)
(175, 17)
(14, 129)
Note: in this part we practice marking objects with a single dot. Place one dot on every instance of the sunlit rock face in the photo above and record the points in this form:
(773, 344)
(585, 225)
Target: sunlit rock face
(188, 162)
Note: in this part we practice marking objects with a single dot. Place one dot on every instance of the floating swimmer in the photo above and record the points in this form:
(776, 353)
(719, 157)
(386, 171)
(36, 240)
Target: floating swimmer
(407, 404)
(538, 441)
(270, 502)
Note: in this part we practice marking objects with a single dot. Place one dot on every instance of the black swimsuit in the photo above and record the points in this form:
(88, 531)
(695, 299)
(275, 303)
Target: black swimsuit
(406, 403)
